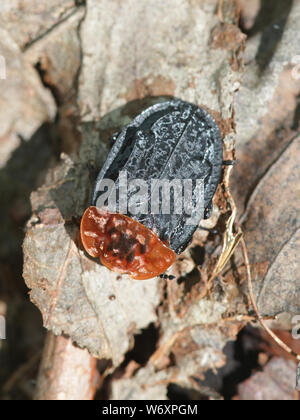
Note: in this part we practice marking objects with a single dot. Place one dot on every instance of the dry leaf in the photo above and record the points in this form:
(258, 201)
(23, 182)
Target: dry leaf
(33, 18)
(272, 234)
(266, 104)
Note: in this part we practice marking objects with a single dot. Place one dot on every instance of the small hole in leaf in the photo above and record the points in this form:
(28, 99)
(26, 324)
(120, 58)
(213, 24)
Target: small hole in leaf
(144, 346)
(198, 254)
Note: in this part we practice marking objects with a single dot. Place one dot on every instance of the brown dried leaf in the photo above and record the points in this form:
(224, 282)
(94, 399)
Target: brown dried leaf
(59, 66)
(266, 104)
(281, 289)
(20, 117)
(272, 234)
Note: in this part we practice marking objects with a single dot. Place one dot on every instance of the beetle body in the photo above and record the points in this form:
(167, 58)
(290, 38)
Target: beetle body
(169, 142)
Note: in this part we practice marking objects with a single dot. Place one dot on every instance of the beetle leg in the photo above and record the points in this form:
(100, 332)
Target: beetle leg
(208, 211)
(229, 162)
(167, 276)
(213, 231)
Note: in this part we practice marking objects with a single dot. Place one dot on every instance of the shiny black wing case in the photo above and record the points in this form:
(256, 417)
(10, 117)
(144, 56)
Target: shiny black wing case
(170, 140)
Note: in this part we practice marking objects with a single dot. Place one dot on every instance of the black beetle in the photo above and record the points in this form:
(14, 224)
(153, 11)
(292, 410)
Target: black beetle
(173, 142)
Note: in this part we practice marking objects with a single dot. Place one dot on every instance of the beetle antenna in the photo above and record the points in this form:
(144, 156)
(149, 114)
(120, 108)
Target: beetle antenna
(213, 231)
(167, 276)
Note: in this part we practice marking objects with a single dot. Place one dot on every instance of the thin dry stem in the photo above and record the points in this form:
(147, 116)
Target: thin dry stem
(279, 342)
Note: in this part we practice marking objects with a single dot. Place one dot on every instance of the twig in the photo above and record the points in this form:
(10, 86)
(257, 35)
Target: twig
(66, 372)
(220, 11)
(231, 238)
(280, 343)
(20, 372)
